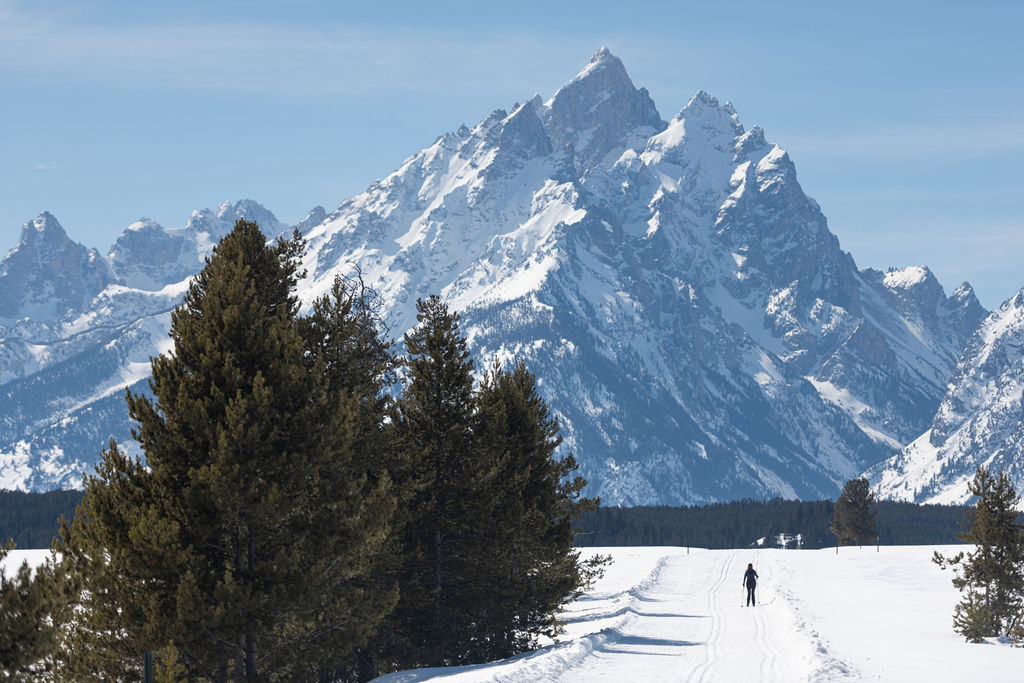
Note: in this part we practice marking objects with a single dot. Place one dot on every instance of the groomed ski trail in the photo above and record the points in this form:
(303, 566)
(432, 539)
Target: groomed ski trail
(757, 643)
(660, 614)
(684, 621)
(680, 619)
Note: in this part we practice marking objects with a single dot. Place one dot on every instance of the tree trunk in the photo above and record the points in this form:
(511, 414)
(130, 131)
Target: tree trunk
(250, 638)
(437, 589)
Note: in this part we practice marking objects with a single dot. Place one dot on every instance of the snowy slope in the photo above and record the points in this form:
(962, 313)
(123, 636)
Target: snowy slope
(979, 421)
(691, 319)
(66, 358)
(693, 322)
(662, 614)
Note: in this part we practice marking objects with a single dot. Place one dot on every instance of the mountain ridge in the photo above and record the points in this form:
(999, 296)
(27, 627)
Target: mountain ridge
(977, 423)
(691, 319)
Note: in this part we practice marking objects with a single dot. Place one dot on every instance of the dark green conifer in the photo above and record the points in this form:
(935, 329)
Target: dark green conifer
(445, 482)
(243, 546)
(853, 518)
(530, 565)
(345, 340)
(991, 577)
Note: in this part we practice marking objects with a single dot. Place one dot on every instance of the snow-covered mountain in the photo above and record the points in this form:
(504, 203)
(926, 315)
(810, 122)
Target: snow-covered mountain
(979, 422)
(691, 319)
(76, 328)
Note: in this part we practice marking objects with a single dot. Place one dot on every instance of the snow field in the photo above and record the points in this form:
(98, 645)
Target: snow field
(662, 614)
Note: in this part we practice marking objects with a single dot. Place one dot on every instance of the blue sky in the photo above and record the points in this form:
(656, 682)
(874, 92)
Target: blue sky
(905, 120)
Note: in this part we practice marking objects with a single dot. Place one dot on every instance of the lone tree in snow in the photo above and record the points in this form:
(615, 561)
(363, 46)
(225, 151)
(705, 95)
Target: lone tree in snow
(991, 578)
(853, 518)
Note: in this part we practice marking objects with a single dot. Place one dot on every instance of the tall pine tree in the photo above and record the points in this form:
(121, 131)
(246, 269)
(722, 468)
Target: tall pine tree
(345, 340)
(243, 545)
(530, 565)
(991, 578)
(446, 482)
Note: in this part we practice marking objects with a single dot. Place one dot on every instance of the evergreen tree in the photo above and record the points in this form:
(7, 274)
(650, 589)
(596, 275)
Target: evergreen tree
(345, 340)
(853, 518)
(241, 550)
(530, 565)
(991, 577)
(345, 333)
(33, 607)
(446, 491)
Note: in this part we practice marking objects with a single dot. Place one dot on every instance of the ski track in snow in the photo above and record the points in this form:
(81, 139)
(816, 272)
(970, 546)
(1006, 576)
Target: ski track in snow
(659, 614)
(765, 637)
(706, 668)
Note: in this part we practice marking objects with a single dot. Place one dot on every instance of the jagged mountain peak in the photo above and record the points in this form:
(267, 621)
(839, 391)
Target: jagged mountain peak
(701, 144)
(702, 100)
(964, 292)
(917, 288)
(909, 277)
(315, 217)
(603, 60)
(48, 275)
(44, 229)
(45, 221)
(522, 133)
(915, 282)
(149, 257)
(41, 238)
(751, 144)
(600, 110)
(218, 223)
(963, 302)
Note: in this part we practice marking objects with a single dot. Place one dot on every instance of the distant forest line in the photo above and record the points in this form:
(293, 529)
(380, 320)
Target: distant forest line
(741, 523)
(31, 520)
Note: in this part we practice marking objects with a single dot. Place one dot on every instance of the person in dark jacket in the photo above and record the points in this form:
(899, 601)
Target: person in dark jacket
(750, 581)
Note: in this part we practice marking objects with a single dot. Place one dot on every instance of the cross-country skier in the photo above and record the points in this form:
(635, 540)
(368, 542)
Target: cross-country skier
(750, 581)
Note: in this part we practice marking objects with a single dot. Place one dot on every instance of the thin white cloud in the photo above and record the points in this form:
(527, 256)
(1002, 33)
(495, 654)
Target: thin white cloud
(310, 59)
(966, 137)
(45, 166)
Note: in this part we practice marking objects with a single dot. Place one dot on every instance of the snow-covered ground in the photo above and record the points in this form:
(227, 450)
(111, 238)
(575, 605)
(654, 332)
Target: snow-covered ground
(35, 557)
(665, 614)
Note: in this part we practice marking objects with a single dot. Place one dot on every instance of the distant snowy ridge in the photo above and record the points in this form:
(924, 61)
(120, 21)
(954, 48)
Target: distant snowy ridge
(77, 328)
(690, 317)
(980, 420)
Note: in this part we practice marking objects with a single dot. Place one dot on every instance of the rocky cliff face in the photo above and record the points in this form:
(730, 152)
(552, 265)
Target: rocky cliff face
(47, 274)
(690, 317)
(980, 420)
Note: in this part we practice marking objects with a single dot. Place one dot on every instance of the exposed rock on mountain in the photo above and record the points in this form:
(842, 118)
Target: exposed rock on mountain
(691, 319)
(979, 422)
